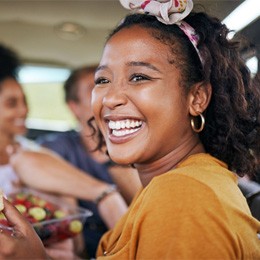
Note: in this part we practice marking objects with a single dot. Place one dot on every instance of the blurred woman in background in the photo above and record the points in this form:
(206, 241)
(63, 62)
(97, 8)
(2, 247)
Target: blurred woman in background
(13, 114)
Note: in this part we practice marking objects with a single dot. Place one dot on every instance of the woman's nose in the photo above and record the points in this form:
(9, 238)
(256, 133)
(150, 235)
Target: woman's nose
(115, 97)
(23, 110)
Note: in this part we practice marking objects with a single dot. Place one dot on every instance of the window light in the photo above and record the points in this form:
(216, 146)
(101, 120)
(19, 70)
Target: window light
(243, 15)
(252, 64)
(41, 74)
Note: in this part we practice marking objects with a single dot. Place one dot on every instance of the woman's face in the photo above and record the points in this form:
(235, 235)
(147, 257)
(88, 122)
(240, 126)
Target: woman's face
(138, 102)
(13, 108)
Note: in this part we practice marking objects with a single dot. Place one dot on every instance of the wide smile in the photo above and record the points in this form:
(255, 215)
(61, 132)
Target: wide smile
(122, 128)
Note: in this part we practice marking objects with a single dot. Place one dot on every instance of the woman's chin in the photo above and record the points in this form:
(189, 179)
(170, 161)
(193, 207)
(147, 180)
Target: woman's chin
(124, 161)
(21, 131)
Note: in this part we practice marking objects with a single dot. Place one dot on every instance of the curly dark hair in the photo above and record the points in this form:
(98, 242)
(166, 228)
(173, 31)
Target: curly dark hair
(232, 128)
(9, 63)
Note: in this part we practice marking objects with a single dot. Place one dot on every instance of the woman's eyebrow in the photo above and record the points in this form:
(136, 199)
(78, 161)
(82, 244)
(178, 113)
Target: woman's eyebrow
(145, 64)
(132, 64)
(102, 67)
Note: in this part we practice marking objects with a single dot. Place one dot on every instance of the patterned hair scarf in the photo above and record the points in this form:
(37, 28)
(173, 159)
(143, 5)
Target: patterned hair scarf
(167, 12)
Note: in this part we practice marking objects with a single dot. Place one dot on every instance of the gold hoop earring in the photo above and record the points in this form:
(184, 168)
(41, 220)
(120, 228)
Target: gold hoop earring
(202, 124)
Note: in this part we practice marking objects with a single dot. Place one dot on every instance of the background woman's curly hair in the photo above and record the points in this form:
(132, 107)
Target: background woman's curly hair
(9, 63)
(232, 130)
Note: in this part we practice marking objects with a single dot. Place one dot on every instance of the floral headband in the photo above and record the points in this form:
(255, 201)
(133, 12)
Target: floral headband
(167, 12)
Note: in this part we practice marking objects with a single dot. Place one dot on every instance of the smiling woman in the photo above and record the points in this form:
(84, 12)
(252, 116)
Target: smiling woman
(174, 78)
(13, 114)
(173, 98)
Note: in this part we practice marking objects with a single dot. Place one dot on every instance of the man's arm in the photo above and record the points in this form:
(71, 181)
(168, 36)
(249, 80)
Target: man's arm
(50, 173)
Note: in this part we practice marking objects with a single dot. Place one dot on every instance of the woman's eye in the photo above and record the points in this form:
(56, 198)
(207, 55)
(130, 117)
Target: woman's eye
(11, 103)
(139, 77)
(101, 81)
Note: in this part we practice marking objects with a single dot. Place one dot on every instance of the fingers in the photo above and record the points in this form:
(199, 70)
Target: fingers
(4, 230)
(20, 241)
(16, 245)
(7, 245)
(8, 242)
(14, 217)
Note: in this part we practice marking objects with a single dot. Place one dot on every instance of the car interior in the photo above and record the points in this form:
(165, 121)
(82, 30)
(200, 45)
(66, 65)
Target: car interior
(53, 37)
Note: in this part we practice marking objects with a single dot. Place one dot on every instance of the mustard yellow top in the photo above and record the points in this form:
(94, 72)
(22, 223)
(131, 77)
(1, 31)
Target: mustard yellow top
(195, 211)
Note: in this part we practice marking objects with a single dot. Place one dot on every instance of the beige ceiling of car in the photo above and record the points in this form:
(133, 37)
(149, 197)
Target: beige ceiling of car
(33, 27)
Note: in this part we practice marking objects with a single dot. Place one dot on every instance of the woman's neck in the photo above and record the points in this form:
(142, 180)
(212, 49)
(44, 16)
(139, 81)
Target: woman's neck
(169, 161)
(5, 140)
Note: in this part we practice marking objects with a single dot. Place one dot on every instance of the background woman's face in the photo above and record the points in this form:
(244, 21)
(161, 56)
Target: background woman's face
(138, 102)
(13, 108)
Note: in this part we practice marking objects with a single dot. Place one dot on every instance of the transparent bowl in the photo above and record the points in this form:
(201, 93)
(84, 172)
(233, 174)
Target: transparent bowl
(52, 218)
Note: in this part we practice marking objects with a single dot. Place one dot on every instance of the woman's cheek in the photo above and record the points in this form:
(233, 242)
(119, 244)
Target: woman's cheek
(96, 104)
(94, 101)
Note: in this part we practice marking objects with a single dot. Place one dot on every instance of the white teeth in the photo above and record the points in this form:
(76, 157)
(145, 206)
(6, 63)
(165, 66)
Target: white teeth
(132, 124)
(124, 132)
(112, 125)
(127, 124)
(124, 127)
(118, 125)
(122, 124)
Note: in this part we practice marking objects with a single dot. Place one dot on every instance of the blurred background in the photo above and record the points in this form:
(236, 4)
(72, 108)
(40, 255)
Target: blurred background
(54, 36)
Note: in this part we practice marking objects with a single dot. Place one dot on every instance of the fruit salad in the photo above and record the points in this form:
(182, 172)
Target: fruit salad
(52, 220)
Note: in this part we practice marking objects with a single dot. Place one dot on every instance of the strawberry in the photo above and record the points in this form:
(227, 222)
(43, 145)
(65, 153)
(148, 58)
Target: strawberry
(4, 222)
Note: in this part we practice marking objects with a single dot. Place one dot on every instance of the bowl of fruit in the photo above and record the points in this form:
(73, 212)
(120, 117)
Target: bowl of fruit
(52, 218)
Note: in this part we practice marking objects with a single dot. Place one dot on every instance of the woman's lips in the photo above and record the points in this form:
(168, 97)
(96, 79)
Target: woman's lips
(19, 122)
(123, 130)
